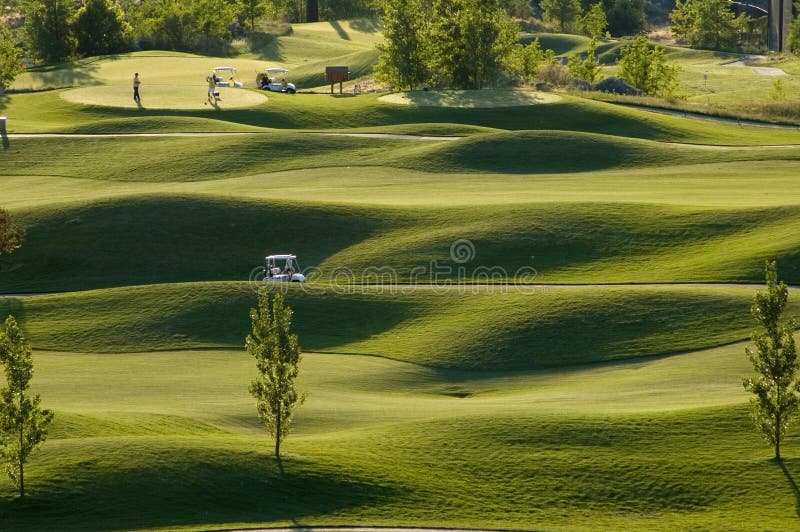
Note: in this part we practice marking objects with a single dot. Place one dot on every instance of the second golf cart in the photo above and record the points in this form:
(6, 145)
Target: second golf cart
(274, 79)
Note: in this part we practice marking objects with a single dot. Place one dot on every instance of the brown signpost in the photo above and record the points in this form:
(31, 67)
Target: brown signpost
(337, 74)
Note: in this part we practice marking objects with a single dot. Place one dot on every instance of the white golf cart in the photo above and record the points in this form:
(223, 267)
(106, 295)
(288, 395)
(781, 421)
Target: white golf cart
(283, 268)
(225, 76)
(274, 79)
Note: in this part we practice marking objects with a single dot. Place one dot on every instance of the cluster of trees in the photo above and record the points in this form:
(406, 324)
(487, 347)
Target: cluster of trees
(708, 23)
(454, 43)
(624, 17)
(57, 30)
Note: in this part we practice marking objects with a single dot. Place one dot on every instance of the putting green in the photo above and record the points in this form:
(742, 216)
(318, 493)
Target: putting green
(155, 96)
(470, 99)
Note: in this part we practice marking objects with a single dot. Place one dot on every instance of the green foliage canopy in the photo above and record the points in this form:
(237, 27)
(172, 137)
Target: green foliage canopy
(706, 23)
(10, 66)
(277, 356)
(648, 69)
(564, 13)
(47, 30)
(776, 386)
(23, 424)
(100, 28)
(11, 235)
(404, 54)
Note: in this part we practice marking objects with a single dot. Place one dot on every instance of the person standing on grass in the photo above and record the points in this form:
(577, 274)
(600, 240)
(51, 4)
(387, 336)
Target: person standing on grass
(212, 86)
(136, 84)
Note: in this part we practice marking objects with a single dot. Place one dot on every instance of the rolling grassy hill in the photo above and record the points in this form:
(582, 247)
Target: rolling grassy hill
(601, 391)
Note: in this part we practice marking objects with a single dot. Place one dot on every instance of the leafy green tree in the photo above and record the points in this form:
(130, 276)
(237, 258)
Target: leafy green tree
(290, 10)
(11, 235)
(627, 17)
(250, 10)
(517, 8)
(100, 28)
(776, 385)
(793, 40)
(470, 41)
(564, 13)
(277, 357)
(523, 62)
(23, 424)
(202, 25)
(594, 21)
(404, 53)
(648, 69)
(681, 19)
(10, 67)
(47, 30)
(706, 23)
(588, 68)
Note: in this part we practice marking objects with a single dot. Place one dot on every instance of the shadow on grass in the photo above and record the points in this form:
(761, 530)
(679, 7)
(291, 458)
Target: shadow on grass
(792, 483)
(339, 30)
(182, 487)
(265, 46)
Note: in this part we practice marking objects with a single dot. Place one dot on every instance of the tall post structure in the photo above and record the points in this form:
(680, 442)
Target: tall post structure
(780, 17)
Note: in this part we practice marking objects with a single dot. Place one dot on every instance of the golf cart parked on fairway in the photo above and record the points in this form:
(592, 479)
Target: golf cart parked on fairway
(274, 79)
(225, 76)
(283, 268)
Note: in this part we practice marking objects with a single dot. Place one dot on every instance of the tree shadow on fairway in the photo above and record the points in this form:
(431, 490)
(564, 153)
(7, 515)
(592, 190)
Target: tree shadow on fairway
(792, 483)
(265, 46)
(186, 487)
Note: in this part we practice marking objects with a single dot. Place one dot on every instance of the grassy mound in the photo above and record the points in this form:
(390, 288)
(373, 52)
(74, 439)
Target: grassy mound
(140, 431)
(470, 99)
(471, 329)
(162, 238)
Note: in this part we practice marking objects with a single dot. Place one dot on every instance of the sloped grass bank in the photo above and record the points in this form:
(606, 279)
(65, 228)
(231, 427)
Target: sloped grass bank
(165, 238)
(139, 442)
(488, 328)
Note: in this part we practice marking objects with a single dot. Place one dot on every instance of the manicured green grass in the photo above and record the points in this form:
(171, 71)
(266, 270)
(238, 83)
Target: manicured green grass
(385, 443)
(478, 405)
(482, 328)
(164, 239)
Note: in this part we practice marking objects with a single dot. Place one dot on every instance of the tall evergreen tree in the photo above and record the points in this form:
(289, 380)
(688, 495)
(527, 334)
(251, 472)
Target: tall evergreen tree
(776, 385)
(23, 424)
(277, 356)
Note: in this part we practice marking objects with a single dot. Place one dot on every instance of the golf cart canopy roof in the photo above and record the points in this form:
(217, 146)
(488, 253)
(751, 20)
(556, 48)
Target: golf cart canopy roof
(281, 257)
(231, 69)
(277, 70)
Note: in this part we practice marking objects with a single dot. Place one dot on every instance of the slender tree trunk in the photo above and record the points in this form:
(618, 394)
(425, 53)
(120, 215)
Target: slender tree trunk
(778, 437)
(21, 467)
(278, 437)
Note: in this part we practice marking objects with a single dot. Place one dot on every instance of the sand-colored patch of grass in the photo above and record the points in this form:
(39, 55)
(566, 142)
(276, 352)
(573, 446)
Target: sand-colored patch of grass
(158, 96)
(470, 99)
